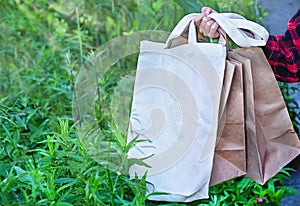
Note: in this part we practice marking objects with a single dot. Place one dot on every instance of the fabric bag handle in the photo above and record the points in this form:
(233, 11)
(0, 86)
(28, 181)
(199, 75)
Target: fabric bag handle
(181, 28)
(192, 35)
(234, 25)
(184, 26)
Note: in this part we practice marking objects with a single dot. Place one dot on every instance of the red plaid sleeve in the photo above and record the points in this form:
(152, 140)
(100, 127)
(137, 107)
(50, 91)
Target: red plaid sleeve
(283, 52)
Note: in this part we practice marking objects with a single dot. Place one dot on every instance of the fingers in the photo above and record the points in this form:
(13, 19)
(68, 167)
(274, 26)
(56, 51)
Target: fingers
(198, 19)
(209, 27)
(213, 30)
(206, 10)
(205, 24)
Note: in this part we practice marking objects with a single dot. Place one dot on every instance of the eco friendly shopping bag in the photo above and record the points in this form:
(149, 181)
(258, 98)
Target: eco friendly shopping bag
(174, 113)
(271, 140)
(230, 151)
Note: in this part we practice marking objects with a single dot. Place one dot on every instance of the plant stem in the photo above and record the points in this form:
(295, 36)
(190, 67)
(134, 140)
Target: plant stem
(79, 36)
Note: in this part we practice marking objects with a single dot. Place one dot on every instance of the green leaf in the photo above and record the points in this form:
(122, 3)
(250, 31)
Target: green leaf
(289, 191)
(63, 204)
(271, 185)
(132, 161)
(24, 176)
(66, 186)
(4, 168)
(63, 180)
(190, 6)
(157, 5)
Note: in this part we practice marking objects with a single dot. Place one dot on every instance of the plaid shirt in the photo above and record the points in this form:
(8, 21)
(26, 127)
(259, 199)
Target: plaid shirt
(283, 52)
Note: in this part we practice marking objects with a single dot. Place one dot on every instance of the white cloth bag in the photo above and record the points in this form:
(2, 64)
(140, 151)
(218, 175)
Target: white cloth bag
(175, 110)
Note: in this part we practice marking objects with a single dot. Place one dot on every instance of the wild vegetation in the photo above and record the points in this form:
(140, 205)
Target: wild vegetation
(44, 44)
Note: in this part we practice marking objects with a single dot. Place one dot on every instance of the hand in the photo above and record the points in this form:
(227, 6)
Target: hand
(206, 25)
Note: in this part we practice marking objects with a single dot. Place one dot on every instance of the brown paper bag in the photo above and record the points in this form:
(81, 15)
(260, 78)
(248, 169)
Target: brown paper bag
(230, 152)
(271, 140)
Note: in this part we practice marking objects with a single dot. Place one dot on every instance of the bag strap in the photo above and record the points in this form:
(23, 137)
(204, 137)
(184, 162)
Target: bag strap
(236, 28)
(234, 25)
(186, 26)
(181, 28)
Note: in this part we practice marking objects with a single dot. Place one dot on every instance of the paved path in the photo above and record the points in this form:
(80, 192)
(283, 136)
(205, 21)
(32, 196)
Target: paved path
(279, 13)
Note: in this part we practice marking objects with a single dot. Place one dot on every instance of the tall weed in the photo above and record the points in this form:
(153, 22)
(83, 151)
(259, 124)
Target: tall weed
(43, 46)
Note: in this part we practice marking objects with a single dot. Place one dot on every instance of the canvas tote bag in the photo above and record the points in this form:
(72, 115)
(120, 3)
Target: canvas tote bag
(271, 140)
(174, 113)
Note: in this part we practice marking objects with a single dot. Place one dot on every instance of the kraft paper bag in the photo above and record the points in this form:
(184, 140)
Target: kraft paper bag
(174, 113)
(230, 151)
(271, 140)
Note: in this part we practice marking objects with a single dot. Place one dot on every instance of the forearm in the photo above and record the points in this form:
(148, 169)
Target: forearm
(283, 52)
